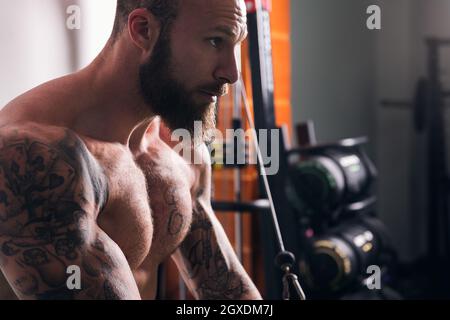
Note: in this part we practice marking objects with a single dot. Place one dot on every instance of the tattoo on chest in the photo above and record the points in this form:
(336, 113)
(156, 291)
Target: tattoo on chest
(176, 220)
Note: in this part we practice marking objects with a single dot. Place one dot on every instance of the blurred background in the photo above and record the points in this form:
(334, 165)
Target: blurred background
(329, 69)
(352, 81)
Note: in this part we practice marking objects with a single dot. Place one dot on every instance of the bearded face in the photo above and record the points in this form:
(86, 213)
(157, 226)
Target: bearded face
(171, 99)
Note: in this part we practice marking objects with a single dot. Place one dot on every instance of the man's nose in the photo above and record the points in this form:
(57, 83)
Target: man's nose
(228, 70)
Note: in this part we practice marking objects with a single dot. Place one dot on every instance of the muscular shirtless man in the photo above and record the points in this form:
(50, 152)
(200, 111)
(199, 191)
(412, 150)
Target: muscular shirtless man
(87, 173)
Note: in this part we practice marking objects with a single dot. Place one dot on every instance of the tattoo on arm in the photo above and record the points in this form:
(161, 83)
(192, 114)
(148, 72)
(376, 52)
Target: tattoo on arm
(48, 193)
(205, 264)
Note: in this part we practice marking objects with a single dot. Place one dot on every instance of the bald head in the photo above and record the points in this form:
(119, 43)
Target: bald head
(187, 54)
(164, 10)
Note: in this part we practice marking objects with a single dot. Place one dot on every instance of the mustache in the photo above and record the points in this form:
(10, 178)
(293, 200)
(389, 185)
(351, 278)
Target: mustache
(217, 89)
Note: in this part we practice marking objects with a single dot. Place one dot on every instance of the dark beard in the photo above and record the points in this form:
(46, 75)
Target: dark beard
(169, 99)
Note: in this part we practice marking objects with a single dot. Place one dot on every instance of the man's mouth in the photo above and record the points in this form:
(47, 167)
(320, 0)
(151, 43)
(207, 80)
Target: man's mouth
(212, 95)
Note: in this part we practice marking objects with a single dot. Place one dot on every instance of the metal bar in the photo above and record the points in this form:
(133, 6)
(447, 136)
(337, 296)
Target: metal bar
(438, 235)
(396, 104)
(237, 124)
(264, 118)
(242, 207)
(439, 41)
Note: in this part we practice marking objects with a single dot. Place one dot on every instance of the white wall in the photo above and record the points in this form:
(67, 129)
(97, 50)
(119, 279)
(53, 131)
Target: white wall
(34, 45)
(97, 24)
(333, 66)
(37, 46)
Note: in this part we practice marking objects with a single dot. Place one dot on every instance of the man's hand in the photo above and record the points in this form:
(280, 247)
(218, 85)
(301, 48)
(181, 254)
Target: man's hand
(206, 258)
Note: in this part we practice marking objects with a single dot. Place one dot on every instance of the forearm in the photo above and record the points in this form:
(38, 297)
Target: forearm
(217, 282)
(206, 258)
(232, 283)
(39, 272)
(209, 265)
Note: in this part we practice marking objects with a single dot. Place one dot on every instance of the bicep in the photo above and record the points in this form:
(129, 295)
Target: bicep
(48, 196)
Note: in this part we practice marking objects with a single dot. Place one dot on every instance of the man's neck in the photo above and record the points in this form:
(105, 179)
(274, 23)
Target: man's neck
(115, 107)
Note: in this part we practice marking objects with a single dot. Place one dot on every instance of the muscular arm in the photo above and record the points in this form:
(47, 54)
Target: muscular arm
(206, 258)
(50, 192)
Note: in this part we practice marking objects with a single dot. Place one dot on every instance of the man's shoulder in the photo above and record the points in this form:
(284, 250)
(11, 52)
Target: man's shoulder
(21, 130)
(51, 159)
(30, 141)
(37, 132)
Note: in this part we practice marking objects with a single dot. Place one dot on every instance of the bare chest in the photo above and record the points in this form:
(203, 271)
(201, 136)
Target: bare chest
(149, 210)
(127, 217)
(169, 180)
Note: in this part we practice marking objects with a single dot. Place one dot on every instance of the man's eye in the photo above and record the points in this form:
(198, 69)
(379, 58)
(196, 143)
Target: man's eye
(216, 42)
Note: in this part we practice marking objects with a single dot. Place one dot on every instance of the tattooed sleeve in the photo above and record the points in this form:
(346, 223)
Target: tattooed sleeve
(49, 194)
(206, 258)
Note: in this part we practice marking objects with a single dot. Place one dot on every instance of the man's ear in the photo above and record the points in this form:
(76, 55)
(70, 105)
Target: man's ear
(144, 29)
